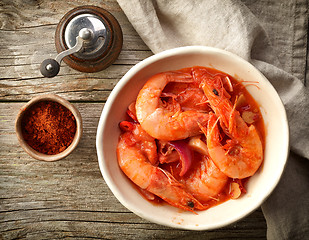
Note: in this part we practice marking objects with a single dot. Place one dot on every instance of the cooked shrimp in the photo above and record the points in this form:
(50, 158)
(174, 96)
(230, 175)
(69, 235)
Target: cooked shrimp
(135, 164)
(242, 154)
(206, 181)
(164, 123)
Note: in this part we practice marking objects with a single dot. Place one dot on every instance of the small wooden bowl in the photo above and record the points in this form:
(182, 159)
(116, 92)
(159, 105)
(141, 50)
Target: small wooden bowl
(41, 156)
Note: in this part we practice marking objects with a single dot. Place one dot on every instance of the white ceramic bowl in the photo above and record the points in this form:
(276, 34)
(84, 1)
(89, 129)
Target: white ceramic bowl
(259, 186)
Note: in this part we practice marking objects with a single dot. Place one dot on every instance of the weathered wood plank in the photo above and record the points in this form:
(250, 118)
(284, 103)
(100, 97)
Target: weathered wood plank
(69, 198)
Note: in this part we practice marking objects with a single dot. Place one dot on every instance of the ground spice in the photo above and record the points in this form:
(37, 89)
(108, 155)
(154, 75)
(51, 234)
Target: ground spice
(48, 127)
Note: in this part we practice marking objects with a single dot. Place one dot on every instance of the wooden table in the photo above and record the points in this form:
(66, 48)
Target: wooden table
(69, 198)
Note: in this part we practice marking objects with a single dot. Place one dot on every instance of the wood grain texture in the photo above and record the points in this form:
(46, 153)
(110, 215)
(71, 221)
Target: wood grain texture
(27, 39)
(69, 198)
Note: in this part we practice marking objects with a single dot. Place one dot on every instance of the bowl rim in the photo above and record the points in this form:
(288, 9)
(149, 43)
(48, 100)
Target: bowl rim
(38, 155)
(165, 54)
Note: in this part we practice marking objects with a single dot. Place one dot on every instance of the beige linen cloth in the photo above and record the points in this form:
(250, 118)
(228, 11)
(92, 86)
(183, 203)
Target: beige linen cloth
(231, 25)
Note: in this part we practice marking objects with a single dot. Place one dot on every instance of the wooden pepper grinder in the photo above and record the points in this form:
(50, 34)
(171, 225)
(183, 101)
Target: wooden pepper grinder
(88, 39)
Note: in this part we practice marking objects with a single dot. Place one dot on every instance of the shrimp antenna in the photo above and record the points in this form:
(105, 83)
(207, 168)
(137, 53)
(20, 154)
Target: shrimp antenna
(202, 128)
(213, 127)
(249, 83)
(213, 198)
(232, 117)
(171, 178)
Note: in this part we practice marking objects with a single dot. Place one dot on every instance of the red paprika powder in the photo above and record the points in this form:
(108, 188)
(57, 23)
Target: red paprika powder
(48, 127)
